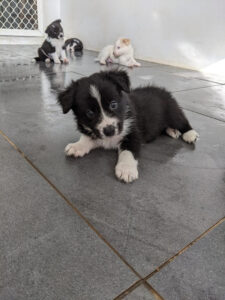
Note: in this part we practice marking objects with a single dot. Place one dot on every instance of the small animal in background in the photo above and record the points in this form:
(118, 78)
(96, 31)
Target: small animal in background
(52, 48)
(111, 115)
(73, 45)
(121, 53)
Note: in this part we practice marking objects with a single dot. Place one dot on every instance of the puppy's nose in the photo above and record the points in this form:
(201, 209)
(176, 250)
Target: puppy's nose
(61, 34)
(109, 130)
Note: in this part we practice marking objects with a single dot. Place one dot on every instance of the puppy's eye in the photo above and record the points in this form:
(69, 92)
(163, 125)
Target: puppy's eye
(113, 105)
(90, 114)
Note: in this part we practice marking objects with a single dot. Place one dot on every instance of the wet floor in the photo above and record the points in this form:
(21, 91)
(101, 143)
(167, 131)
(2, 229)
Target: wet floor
(71, 230)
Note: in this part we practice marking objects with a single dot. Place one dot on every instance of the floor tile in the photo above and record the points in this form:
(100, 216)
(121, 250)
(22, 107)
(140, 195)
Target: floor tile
(198, 273)
(47, 251)
(202, 75)
(140, 293)
(145, 76)
(17, 53)
(208, 101)
(180, 192)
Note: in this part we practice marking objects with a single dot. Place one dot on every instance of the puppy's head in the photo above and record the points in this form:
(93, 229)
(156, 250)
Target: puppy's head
(55, 30)
(99, 103)
(121, 47)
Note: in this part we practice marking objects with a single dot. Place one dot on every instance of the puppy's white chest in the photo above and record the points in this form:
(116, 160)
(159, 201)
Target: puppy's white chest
(110, 142)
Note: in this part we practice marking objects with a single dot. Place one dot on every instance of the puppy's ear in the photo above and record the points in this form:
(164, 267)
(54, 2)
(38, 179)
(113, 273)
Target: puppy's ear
(120, 79)
(49, 26)
(67, 98)
(126, 41)
(47, 29)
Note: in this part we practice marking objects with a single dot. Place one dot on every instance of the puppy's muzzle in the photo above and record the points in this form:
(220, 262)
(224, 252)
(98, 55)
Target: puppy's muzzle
(109, 130)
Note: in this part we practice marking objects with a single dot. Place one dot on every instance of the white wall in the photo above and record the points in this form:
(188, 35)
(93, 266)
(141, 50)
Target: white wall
(51, 11)
(186, 33)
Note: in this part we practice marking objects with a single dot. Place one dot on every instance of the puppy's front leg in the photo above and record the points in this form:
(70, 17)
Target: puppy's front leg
(63, 56)
(126, 167)
(55, 58)
(80, 148)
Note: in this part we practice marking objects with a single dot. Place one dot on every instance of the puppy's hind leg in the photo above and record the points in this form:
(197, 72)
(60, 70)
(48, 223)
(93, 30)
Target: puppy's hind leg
(190, 136)
(179, 124)
(173, 133)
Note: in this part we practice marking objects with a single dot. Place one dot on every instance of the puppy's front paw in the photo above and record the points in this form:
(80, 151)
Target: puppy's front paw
(57, 61)
(76, 149)
(126, 172)
(65, 61)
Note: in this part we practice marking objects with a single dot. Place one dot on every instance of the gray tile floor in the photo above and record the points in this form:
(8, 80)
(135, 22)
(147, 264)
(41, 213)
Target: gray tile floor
(66, 234)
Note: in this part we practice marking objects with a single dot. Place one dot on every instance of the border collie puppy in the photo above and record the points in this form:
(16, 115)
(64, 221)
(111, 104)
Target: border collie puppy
(53, 47)
(110, 115)
(121, 53)
(73, 45)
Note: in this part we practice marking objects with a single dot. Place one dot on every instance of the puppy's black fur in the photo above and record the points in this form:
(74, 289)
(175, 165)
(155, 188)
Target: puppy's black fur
(137, 115)
(73, 44)
(53, 31)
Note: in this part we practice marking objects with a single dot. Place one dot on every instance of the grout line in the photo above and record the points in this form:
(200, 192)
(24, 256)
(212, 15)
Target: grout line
(129, 290)
(208, 80)
(70, 204)
(79, 73)
(196, 88)
(204, 115)
(153, 291)
(184, 249)
(137, 284)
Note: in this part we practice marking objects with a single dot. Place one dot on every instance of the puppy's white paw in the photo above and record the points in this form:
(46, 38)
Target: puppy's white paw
(130, 65)
(137, 64)
(65, 61)
(126, 172)
(190, 136)
(174, 133)
(76, 149)
(48, 60)
(57, 61)
(102, 62)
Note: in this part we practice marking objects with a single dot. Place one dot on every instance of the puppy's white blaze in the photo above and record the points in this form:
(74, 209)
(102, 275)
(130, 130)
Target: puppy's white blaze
(190, 136)
(106, 121)
(94, 92)
(126, 168)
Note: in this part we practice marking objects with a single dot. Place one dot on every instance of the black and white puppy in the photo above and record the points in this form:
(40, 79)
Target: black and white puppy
(53, 48)
(73, 45)
(112, 116)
